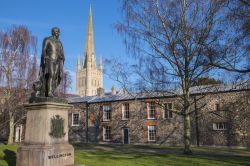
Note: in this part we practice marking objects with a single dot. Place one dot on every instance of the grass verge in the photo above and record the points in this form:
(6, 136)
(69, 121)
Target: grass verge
(90, 155)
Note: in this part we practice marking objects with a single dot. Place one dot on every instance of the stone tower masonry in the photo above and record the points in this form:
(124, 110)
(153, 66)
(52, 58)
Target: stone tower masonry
(88, 76)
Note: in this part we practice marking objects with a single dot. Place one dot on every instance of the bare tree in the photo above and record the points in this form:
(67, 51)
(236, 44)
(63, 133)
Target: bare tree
(235, 53)
(175, 43)
(65, 84)
(18, 68)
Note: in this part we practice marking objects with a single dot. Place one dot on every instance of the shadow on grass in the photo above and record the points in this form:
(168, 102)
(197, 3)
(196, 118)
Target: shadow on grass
(114, 157)
(10, 157)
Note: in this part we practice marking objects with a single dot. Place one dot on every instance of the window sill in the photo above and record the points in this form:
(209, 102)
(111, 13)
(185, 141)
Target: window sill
(106, 120)
(75, 125)
(125, 119)
(151, 119)
(219, 129)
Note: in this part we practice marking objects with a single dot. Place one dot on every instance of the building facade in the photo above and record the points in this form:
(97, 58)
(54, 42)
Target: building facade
(219, 117)
(89, 77)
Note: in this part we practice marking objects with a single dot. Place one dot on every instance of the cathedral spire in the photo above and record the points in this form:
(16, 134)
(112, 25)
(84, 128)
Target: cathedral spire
(89, 78)
(89, 47)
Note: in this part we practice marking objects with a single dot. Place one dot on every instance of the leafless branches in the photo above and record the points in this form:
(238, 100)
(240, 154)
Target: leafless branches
(179, 41)
(18, 68)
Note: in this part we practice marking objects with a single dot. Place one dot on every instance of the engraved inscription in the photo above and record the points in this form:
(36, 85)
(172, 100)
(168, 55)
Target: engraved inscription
(59, 155)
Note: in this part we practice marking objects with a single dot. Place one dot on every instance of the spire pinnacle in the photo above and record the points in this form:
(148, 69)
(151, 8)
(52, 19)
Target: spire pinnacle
(100, 63)
(78, 63)
(89, 47)
(90, 9)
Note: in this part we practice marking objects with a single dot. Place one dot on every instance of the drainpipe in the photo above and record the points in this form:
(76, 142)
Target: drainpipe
(87, 123)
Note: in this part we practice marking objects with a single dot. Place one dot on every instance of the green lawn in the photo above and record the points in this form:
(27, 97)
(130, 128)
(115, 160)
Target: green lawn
(92, 155)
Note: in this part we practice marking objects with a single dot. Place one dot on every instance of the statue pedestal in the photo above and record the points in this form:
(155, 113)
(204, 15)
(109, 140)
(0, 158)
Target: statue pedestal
(46, 136)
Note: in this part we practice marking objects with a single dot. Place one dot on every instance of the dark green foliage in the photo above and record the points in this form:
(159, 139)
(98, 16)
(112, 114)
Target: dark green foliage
(10, 157)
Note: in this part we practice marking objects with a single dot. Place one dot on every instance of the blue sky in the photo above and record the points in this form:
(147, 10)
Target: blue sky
(71, 17)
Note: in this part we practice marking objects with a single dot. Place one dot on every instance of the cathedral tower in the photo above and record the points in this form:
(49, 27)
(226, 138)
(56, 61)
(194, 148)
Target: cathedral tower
(88, 76)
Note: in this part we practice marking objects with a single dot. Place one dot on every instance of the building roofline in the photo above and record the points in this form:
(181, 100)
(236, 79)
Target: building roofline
(195, 91)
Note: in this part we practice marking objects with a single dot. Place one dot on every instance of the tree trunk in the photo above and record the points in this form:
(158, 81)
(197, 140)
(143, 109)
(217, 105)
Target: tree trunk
(11, 130)
(187, 132)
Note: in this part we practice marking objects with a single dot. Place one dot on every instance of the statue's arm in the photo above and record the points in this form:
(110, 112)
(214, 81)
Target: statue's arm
(62, 53)
(43, 57)
(44, 50)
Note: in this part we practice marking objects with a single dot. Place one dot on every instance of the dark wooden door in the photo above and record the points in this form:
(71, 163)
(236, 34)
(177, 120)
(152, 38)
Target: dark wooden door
(125, 135)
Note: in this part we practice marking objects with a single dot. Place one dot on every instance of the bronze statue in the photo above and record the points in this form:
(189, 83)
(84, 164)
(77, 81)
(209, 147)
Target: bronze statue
(51, 66)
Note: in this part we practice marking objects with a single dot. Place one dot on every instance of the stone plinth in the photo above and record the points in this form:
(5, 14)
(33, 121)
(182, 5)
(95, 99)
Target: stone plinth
(46, 136)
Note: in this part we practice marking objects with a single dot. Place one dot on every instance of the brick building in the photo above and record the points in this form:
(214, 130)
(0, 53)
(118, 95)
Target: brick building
(220, 116)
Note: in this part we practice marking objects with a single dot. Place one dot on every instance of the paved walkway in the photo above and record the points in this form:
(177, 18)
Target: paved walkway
(160, 150)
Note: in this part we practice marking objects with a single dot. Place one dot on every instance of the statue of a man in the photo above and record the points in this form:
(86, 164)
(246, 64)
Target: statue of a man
(51, 66)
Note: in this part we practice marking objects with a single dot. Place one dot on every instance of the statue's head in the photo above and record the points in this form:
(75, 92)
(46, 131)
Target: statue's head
(55, 32)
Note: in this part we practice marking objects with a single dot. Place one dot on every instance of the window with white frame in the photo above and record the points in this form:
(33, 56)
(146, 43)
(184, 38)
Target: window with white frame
(106, 112)
(168, 110)
(220, 126)
(151, 110)
(106, 133)
(75, 119)
(151, 133)
(125, 111)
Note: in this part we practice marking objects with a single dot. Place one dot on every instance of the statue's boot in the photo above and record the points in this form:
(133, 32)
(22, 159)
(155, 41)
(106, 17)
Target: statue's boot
(38, 93)
(50, 94)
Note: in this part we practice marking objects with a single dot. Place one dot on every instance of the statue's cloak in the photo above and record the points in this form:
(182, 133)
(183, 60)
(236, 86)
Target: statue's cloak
(51, 46)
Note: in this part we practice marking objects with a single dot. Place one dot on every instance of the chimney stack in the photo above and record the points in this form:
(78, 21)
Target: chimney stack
(100, 92)
(113, 90)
